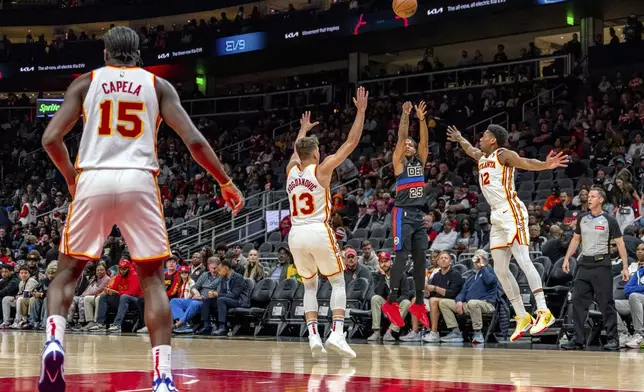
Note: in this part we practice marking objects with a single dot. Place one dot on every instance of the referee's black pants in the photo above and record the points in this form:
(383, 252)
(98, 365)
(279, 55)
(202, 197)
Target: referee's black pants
(594, 283)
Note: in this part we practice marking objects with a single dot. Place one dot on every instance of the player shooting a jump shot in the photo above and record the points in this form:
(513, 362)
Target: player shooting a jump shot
(408, 228)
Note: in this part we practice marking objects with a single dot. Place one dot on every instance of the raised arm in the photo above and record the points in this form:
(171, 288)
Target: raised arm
(454, 135)
(173, 113)
(305, 127)
(60, 125)
(511, 158)
(398, 158)
(423, 144)
(326, 168)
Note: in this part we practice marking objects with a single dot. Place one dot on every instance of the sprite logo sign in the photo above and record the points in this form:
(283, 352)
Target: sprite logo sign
(47, 107)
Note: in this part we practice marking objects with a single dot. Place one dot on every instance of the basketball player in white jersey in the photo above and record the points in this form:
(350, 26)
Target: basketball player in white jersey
(114, 182)
(509, 218)
(311, 240)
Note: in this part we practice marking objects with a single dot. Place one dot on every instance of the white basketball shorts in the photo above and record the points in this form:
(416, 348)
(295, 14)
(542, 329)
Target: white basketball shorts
(314, 248)
(127, 198)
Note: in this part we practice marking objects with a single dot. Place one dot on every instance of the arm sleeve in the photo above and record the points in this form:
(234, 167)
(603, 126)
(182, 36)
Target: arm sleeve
(578, 226)
(613, 227)
(236, 287)
(455, 285)
(133, 288)
(461, 295)
(488, 276)
(199, 283)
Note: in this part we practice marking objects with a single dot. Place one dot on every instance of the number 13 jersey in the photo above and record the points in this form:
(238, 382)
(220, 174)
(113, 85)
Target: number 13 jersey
(309, 201)
(121, 118)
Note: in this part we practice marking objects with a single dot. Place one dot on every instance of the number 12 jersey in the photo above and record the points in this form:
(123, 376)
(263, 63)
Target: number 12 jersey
(121, 118)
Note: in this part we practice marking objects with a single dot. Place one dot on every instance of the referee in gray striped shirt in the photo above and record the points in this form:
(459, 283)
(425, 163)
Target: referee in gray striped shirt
(594, 279)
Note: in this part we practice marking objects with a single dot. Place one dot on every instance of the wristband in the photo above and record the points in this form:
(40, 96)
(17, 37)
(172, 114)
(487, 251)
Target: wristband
(226, 185)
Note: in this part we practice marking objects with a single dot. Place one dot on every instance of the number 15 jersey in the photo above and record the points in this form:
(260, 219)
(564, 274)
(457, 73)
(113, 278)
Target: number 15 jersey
(121, 118)
(309, 200)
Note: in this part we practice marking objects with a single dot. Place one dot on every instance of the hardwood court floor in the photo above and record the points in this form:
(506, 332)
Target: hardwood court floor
(121, 363)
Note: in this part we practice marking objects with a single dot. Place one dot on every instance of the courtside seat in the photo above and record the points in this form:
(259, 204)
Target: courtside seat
(259, 299)
(280, 304)
(324, 305)
(296, 312)
(356, 296)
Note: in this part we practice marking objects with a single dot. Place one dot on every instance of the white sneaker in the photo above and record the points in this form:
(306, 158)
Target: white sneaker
(623, 339)
(412, 336)
(375, 336)
(143, 330)
(52, 377)
(432, 337)
(388, 337)
(338, 343)
(317, 349)
(635, 341)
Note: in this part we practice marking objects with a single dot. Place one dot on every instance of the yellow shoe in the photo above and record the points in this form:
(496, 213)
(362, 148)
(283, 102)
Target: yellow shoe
(523, 325)
(544, 320)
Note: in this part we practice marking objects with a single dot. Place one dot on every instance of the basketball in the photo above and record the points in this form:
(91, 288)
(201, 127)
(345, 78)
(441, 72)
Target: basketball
(405, 8)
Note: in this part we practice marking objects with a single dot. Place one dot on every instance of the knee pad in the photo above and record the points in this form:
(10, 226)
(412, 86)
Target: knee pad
(310, 294)
(338, 292)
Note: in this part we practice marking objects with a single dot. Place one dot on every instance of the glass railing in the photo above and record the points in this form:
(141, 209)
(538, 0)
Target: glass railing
(478, 76)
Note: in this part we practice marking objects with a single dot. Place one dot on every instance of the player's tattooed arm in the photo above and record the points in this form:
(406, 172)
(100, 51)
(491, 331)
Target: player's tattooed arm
(423, 144)
(403, 133)
(454, 135)
(511, 158)
(305, 126)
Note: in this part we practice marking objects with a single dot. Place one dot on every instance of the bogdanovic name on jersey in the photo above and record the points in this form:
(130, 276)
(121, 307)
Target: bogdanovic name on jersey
(305, 182)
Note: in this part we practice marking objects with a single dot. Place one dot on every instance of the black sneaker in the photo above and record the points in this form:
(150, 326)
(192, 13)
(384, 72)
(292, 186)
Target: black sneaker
(572, 345)
(205, 330)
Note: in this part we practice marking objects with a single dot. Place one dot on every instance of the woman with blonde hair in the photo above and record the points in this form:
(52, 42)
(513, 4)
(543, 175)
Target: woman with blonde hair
(254, 270)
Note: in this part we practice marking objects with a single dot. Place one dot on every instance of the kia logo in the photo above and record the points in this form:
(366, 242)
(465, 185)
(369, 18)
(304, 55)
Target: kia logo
(27, 69)
(163, 56)
(291, 35)
(435, 11)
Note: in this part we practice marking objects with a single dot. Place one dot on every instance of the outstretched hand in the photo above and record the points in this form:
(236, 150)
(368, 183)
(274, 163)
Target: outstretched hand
(305, 122)
(421, 110)
(554, 161)
(406, 108)
(361, 99)
(453, 134)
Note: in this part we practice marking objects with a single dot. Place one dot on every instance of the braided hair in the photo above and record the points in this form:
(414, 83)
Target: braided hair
(122, 45)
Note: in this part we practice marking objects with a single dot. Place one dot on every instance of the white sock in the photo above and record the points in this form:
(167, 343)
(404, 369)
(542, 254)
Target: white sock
(56, 328)
(338, 325)
(161, 361)
(313, 327)
(519, 308)
(540, 298)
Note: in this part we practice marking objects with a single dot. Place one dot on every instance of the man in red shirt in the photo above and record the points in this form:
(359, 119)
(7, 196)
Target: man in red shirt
(123, 292)
(171, 276)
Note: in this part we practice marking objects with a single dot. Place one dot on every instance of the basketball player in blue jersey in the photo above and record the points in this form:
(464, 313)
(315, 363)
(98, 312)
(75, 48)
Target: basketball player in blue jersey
(509, 217)
(408, 228)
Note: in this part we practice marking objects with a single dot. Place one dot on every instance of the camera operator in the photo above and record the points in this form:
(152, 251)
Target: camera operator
(594, 279)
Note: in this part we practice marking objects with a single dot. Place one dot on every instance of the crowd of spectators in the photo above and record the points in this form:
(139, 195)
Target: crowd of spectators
(597, 121)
